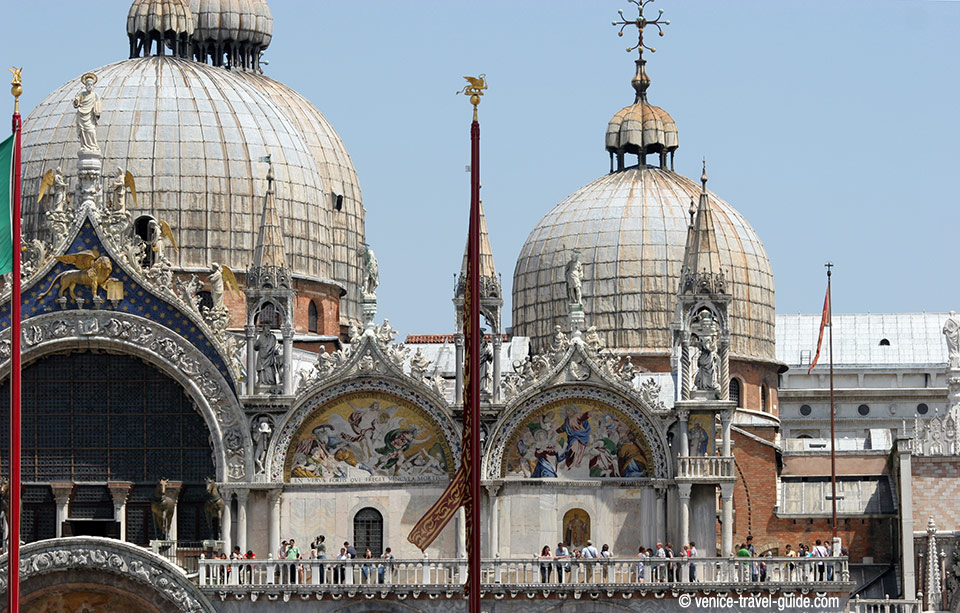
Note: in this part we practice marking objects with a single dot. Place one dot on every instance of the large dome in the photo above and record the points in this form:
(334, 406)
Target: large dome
(192, 135)
(630, 228)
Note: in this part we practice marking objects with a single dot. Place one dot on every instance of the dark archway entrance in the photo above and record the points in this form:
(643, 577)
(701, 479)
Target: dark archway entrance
(93, 418)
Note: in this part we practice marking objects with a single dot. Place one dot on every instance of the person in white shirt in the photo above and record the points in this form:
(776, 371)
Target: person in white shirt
(589, 553)
(605, 555)
(561, 554)
(691, 554)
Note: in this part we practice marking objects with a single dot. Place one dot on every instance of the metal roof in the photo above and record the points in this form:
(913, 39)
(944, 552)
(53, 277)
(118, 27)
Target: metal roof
(914, 339)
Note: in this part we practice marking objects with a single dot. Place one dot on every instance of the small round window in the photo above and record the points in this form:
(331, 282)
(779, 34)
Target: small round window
(922, 408)
(805, 410)
(863, 409)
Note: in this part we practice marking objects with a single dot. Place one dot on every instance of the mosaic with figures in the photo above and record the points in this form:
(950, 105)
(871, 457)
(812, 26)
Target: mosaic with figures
(576, 438)
(368, 435)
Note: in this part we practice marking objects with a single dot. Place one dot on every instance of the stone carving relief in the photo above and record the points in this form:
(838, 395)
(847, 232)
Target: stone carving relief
(951, 331)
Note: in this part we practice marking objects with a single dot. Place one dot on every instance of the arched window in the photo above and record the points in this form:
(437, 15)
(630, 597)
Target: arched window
(368, 531)
(313, 317)
(735, 390)
(763, 397)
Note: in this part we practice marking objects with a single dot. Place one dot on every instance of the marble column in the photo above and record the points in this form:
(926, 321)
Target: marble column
(119, 490)
(242, 495)
(251, 378)
(273, 502)
(661, 513)
(173, 488)
(226, 521)
(493, 495)
(62, 490)
(726, 515)
(684, 418)
(287, 333)
(458, 343)
(497, 345)
(684, 493)
(726, 417)
(461, 533)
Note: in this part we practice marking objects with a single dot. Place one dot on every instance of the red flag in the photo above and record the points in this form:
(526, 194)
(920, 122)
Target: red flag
(824, 322)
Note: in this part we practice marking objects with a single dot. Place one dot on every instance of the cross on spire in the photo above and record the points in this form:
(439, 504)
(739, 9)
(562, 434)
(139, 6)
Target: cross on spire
(641, 22)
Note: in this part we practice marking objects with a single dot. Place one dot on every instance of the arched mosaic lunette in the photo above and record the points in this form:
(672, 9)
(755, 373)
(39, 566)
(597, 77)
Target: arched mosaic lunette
(159, 346)
(344, 410)
(589, 397)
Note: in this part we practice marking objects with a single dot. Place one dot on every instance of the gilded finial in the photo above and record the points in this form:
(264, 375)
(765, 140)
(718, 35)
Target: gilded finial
(16, 88)
(641, 22)
(703, 175)
(474, 88)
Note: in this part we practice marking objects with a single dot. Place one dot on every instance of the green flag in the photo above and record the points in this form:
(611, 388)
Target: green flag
(6, 195)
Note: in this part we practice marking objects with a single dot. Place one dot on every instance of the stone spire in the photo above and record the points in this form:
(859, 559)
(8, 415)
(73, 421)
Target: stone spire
(702, 271)
(269, 268)
(489, 280)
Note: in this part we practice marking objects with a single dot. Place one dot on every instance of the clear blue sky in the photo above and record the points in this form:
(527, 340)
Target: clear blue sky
(832, 126)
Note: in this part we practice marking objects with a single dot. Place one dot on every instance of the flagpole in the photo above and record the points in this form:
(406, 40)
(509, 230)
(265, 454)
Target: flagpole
(833, 436)
(13, 555)
(473, 263)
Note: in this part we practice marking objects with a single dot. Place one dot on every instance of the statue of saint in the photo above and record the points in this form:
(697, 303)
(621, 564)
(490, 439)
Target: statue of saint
(706, 377)
(371, 270)
(261, 439)
(486, 364)
(59, 191)
(266, 346)
(419, 364)
(574, 274)
(951, 330)
(88, 106)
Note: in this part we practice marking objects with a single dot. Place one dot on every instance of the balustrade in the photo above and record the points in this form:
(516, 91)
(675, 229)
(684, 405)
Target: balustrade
(705, 467)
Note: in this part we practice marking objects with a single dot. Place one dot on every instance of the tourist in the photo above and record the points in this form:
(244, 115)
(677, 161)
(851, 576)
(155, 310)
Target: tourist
(251, 568)
(340, 572)
(561, 555)
(754, 575)
(641, 555)
(236, 554)
(791, 567)
(320, 545)
(545, 568)
(605, 555)
(350, 550)
(691, 553)
(387, 555)
(659, 572)
(671, 570)
(293, 553)
(763, 566)
(367, 566)
(819, 551)
(743, 552)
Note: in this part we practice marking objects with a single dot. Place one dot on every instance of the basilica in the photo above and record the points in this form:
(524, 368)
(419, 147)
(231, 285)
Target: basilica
(205, 370)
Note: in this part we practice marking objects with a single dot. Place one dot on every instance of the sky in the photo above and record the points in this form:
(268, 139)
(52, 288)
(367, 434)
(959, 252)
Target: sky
(832, 126)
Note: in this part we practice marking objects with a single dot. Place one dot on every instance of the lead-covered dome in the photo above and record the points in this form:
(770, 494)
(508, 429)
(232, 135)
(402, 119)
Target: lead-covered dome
(192, 135)
(630, 228)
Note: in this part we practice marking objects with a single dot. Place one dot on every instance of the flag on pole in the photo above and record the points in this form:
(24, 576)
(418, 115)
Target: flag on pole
(6, 199)
(824, 322)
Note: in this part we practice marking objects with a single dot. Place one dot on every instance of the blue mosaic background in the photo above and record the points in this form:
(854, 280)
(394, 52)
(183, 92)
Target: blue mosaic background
(137, 300)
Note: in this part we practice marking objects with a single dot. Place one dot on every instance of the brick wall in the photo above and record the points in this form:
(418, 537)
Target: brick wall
(936, 491)
(755, 496)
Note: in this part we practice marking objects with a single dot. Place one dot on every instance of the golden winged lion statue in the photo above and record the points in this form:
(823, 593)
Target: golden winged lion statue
(92, 270)
(475, 85)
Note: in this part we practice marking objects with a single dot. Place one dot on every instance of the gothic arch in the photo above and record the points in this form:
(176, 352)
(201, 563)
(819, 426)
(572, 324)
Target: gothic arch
(324, 396)
(175, 356)
(516, 415)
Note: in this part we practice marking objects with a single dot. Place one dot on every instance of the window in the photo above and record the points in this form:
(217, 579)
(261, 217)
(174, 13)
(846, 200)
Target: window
(922, 408)
(863, 409)
(735, 390)
(763, 397)
(884, 342)
(312, 318)
(368, 532)
(805, 410)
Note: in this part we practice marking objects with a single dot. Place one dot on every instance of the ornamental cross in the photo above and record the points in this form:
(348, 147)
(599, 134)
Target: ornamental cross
(641, 22)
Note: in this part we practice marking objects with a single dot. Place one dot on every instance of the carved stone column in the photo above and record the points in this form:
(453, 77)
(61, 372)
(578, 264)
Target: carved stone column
(684, 492)
(905, 486)
(242, 495)
(273, 502)
(724, 354)
(226, 522)
(119, 490)
(661, 513)
(684, 417)
(62, 490)
(458, 343)
(251, 381)
(493, 494)
(287, 333)
(461, 533)
(497, 345)
(726, 417)
(726, 515)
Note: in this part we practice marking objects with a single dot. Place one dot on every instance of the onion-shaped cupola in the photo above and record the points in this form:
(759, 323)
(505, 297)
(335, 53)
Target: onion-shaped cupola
(641, 128)
(168, 23)
(231, 32)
